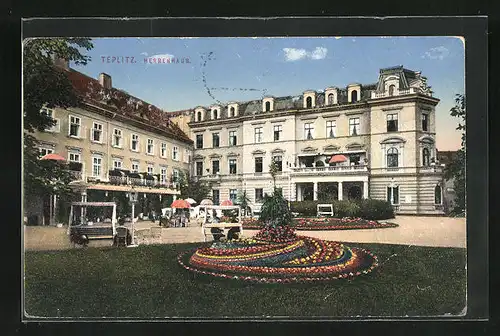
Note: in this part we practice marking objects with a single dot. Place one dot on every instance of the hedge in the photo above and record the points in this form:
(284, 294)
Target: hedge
(366, 208)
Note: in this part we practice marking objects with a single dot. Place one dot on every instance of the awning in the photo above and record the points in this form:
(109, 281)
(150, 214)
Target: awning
(53, 156)
(338, 158)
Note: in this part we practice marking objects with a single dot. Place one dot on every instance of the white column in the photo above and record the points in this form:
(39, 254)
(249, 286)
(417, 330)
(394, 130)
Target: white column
(175, 197)
(340, 191)
(365, 189)
(315, 191)
(299, 192)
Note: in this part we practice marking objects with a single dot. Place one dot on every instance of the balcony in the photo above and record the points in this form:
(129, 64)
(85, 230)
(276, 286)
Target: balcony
(396, 93)
(77, 175)
(330, 170)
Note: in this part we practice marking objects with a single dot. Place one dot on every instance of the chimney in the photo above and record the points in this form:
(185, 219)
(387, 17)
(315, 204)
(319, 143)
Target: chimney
(105, 80)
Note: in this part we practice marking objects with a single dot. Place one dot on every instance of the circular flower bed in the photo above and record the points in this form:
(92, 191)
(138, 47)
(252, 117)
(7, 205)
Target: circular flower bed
(324, 223)
(301, 259)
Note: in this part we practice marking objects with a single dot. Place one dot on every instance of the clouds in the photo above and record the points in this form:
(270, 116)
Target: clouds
(436, 53)
(294, 54)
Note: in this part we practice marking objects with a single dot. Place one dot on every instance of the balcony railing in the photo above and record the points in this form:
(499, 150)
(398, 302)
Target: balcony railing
(396, 93)
(329, 169)
(124, 180)
(77, 175)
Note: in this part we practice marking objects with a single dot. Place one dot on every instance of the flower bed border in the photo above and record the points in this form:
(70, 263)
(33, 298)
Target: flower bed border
(315, 227)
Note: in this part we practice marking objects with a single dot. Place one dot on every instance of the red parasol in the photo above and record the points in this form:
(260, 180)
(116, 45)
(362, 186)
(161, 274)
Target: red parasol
(53, 156)
(180, 204)
(226, 202)
(338, 158)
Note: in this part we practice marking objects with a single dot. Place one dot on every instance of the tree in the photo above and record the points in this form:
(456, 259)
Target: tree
(193, 187)
(243, 201)
(456, 168)
(44, 84)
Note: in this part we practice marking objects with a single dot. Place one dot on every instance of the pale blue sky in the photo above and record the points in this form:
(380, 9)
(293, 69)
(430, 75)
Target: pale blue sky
(247, 68)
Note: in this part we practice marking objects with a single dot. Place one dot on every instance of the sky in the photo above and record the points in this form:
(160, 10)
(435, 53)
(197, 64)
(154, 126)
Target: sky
(220, 70)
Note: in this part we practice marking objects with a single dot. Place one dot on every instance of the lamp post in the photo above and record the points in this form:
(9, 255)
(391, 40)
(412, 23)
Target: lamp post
(133, 199)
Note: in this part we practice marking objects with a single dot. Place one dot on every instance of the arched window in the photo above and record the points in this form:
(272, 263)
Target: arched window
(426, 155)
(437, 195)
(198, 116)
(216, 114)
(268, 106)
(354, 96)
(392, 157)
(308, 102)
(231, 112)
(391, 90)
(330, 99)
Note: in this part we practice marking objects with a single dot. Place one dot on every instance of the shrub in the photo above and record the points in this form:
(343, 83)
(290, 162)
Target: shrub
(346, 208)
(305, 208)
(376, 209)
(274, 210)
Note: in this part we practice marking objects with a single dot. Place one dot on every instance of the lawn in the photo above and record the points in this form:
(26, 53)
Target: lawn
(147, 282)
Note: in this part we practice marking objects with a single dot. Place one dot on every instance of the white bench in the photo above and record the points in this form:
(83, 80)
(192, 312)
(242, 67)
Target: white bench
(324, 209)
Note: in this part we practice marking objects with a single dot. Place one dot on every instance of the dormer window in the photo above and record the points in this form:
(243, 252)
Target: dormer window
(268, 104)
(309, 99)
(309, 102)
(330, 99)
(354, 96)
(391, 89)
(215, 114)
(198, 116)
(231, 112)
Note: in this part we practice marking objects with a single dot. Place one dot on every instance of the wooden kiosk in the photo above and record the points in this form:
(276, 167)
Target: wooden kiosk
(212, 223)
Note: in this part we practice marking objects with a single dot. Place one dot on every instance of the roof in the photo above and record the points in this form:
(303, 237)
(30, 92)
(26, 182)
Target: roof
(124, 104)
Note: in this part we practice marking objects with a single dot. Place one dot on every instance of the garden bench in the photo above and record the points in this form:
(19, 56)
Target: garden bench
(324, 209)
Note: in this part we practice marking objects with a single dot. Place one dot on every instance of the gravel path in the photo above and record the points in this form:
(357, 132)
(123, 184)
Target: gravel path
(420, 231)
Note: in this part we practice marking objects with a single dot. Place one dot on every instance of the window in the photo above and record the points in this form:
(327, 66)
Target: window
(150, 169)
(425, 122)
(233, 195)
(163, 175)
(74, 157)
(117, 138)
(308, 131)
(278, 129)
(393, 195)
(215, 114)
(175, 175)
(354, 96)
(330, 99)
(175, 153)
(163, 150)
(199, 168)
(215, 167)
(392, 157)
(49, 113)
(232, 166)
(258, 164)
(279, 162)
(392, 122)
(354, 126)
(215, 140)
(216, 197)
(117, 163)
(74, 126)
(232, 138)
(45, 151)
(391, 90)
(331, 129)
(231, 112)
(437, 195)
(97, 132)
(355, 159)
(258, 134)
(96, 166)
(134, 142)
(268, 106)
(309, 102)
(198, 116)
(426, 157)
(199, 140)
(135, 167)
(150, 147)
(259, 195)
(187, 156)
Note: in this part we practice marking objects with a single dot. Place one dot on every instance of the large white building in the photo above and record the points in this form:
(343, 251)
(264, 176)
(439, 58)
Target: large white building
(385, 130)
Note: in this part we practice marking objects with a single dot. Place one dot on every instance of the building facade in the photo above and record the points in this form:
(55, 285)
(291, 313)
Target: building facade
(381, 137)
(115, 142)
